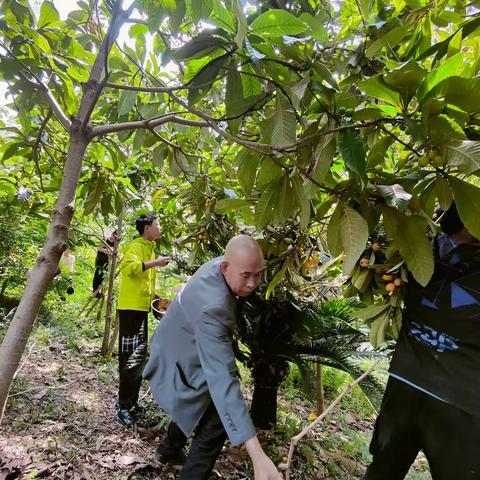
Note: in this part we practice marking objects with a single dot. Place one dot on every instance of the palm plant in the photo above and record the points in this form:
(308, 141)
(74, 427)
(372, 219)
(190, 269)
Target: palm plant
(278, 332)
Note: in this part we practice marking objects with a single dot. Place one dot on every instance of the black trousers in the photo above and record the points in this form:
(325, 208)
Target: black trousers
(101, 267)
(410, 421)
(207, 443)
(132, 355)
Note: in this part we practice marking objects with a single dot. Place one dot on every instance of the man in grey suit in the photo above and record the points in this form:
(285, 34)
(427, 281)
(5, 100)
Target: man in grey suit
(192, 369)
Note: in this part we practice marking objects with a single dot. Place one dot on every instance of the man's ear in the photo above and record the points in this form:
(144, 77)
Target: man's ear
(223, 266)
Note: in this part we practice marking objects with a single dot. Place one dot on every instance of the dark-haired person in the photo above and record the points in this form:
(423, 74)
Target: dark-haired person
(432, 400)
(104, 252)
(137, 290)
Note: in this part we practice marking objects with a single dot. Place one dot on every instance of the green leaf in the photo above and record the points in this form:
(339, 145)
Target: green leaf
(395, 195)
(96, 190)
(370, 312)
(195, 65)
(251, 85)
(391, 39)
(443, 129)
(234, 101)
(284, 123)
(406, 78)
(48, 15)
(221, 17)
(463, 92)
(247, 169)
(225, 205)
(353, 235)
(269, 171)
(203, 81)
(377, 153)
(302, 201)
(200, 9)
(265, 206)
(324, 154)
(201, 45)
(467, 201)
(326, 75)
(453, 66)
(139, 139)
(126, 101)
(464, 155)
(276, 23)
(375, 87)
(444, 193)
(242, 26)
(159, 154)
(178, 163)
(413, 244)
(285, 203)
(276, 279)
(333, 232)
(378, 329)
(353, 151)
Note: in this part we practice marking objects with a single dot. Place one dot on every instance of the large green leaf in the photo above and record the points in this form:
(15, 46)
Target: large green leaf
(247, 169)
(201, 45)
(333, 232)
(444, 193)
(48, 15)
(406, 78)
(464, 155)
(390, 39)
(221, 17)
(225, 205)
(284, 123)
(375, 87)
(395, 195)
(200, 9)
(443, 129)
(234, 101)
(302, 201)
(324, 154)
(467, 200)
(242, 26)
(269, 171)
(353, 235)
(376, 154)
(204, 79)
(126, 101)
(463, 92)
(265, 205)
(353, 151)
(277, 23)
(285, 204)
(413, 244)
(453, 66)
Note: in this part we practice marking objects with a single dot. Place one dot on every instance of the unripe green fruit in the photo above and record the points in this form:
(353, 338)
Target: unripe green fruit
(423, 161)
(438, 161)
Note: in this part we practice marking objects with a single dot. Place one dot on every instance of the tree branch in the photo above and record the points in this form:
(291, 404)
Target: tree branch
(147, 124)
(145, 89)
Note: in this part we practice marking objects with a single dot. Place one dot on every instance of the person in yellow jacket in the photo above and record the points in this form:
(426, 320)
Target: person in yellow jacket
(137, 291)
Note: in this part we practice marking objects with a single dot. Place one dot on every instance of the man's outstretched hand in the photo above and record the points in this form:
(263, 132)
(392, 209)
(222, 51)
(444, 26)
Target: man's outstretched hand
(263, 467)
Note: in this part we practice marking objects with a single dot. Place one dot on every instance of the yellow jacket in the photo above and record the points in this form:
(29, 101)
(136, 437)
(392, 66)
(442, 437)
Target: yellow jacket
(137, 288)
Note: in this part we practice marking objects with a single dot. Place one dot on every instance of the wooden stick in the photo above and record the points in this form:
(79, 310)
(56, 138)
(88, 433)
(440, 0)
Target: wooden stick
(298, 437)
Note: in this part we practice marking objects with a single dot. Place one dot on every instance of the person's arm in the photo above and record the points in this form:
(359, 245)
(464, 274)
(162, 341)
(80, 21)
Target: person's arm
(263, 467)
(214, 344)
(158, 262)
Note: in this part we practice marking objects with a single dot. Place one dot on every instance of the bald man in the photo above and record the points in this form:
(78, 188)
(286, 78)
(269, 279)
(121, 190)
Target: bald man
(192, 369)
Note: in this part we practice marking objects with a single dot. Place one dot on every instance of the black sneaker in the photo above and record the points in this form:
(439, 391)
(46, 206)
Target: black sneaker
(125, 418)
(174, 458)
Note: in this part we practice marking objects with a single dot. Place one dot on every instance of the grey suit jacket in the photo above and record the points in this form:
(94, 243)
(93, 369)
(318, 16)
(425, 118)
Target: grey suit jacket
(192, 360)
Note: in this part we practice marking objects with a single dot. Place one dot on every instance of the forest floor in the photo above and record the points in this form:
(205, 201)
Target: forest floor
(59, 425)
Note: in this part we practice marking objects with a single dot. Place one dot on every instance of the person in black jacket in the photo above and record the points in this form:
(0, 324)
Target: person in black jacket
(432, 399)
(104, 253)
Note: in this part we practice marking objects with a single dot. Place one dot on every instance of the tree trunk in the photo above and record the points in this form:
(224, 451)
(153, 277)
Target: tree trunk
(320, 395)
(45, 268)
(264, 405)
(111, 281)
(114, 336)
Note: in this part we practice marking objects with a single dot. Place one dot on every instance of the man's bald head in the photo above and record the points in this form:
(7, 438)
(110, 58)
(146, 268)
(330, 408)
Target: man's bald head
(242, 266)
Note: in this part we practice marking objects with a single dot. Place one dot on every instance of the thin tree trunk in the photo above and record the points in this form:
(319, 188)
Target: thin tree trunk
(46, 266)
(111, 280)
(44, 270)
(320, 395)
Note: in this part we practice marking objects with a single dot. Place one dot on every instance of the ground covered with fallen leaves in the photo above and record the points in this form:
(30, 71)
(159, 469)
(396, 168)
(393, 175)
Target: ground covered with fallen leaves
(59, 425)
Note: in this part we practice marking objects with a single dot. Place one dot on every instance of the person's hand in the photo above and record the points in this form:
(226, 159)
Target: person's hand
(265, 469)
(162, 261)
